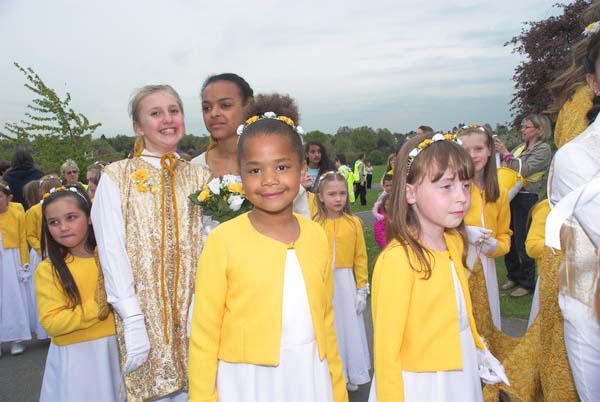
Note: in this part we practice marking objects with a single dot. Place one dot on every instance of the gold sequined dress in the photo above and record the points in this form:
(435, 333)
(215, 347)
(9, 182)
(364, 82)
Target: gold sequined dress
(149, 240)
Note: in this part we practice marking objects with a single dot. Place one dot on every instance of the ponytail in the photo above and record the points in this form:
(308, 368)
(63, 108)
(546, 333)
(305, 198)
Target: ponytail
(138, 146)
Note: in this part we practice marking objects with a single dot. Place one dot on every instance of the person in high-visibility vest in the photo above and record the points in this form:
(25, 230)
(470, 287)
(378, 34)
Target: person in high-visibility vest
(360, 180)
(340, 164)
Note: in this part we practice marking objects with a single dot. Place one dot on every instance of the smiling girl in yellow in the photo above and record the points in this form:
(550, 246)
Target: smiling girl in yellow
(262, 328)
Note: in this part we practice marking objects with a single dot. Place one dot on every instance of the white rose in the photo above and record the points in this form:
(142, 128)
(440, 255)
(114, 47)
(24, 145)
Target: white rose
(270, 115)
(231, 178)
(215, 186)
(240, 129)
(235, 202)
(299, 130)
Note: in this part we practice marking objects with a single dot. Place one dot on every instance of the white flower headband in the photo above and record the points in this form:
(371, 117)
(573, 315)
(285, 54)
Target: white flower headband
(270, 115)
(427, 142)
(591, 29)
(61, 188)
(473, 127)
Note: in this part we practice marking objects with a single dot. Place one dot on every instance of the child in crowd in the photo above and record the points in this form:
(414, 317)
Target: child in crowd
(83, 359)
(344, 169)
(426, 343)
(380, 213)
(31, 193)
(263, 326)
(386, 185)
(488, 228)
(14, 270)
(94, 171)
(317, 161)
(369, 171)
(347, 242)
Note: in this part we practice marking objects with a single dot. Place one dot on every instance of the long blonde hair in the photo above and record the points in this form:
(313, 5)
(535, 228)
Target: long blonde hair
(403, 223)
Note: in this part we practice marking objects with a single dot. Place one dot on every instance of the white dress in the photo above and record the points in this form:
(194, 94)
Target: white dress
(85, 371)
(446, 386)
(14, 317)
(300, 376)
(350, 328)
(29, 289)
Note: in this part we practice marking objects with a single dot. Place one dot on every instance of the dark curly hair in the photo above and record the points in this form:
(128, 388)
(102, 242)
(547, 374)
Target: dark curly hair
(281, 105)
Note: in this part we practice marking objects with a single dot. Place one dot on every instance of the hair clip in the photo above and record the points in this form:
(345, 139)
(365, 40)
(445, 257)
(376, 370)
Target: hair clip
(270, 115)
(427, 142)
(4, 186)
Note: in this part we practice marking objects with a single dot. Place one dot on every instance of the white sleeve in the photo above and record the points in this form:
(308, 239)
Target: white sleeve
(109, 228)
(574, 166)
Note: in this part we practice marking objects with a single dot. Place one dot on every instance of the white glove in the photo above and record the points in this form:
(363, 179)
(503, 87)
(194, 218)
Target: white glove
(23, 273)
(477, 234)
(360, 300)
(137, 344)
(491, 371)
(489, 245)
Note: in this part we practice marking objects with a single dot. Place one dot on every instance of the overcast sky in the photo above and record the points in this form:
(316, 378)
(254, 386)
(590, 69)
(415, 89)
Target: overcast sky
(386, 64)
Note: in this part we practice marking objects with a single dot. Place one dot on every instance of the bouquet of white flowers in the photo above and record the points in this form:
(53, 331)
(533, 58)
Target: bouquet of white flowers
(223, 198)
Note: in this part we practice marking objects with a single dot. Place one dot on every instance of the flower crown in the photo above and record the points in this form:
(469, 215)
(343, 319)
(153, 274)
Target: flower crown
(59, 189)
(270, 115)
(427, 142)
(329, 173)
(473, 127)
(592, 28)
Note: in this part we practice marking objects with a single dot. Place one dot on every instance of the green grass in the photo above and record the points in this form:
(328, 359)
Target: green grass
(509, 306)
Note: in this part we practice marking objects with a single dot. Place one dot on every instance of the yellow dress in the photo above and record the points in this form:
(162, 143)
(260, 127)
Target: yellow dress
(495, 216)
(572, 118)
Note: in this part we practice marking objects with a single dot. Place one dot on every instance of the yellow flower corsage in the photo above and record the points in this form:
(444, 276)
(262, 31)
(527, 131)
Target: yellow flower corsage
(142, 183)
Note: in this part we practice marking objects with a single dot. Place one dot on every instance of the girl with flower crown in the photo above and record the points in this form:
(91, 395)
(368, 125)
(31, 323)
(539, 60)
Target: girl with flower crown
(426, 343)
(83, 359)
(149, 235)
(488, 232)
(262, 328)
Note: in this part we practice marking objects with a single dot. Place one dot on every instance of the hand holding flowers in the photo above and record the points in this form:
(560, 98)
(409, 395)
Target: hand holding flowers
(222, 199)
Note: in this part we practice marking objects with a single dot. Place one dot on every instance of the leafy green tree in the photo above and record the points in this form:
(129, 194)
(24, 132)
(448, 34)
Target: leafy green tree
(52, 128)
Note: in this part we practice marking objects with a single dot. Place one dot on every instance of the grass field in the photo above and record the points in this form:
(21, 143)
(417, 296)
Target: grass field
(509, 306)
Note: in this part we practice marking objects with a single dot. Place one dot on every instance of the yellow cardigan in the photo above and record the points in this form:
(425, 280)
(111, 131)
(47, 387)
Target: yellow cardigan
(350, 247)
(415, 321)
(12, 225)
(33, 221)
(238, 302)
(496, 216)
(572, 119)
(536, 237)
(64, 324)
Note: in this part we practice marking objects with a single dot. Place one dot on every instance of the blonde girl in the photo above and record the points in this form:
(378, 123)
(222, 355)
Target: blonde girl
(426, 343)
(14, 271)
(83, 359)
(487, 226)
(349, 263)
(262, 328)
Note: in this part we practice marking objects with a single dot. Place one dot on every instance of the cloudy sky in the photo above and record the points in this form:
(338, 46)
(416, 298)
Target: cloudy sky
(381, 63)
